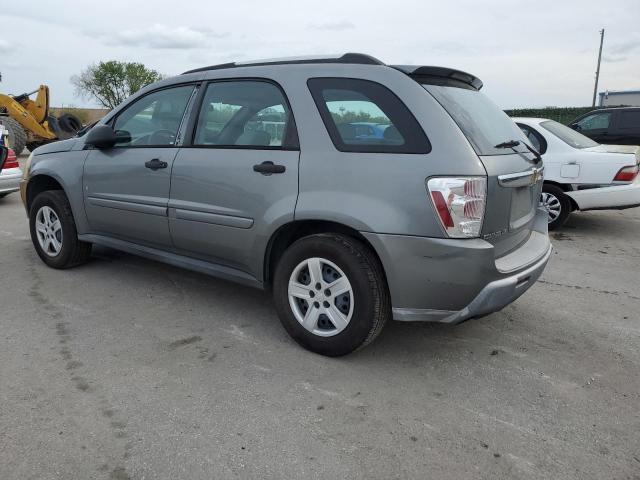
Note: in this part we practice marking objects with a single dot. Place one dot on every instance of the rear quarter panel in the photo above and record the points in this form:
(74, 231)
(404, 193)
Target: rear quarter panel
(374, 192)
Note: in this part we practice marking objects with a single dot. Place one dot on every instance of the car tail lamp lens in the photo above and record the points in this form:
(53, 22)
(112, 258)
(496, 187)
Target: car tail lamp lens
(11, 161)
(460, 203)
(627, 174)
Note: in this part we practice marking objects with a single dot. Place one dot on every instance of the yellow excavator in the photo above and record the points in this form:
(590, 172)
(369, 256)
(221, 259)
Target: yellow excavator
(29, 122)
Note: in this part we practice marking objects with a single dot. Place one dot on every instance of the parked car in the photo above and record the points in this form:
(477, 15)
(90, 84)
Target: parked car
(581, 174)
(615, 126)
(436, 221)
(10, 173)
(365, 131)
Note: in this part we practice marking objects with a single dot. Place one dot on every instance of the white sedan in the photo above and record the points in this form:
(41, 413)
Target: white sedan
(10, 173)
(580, 174)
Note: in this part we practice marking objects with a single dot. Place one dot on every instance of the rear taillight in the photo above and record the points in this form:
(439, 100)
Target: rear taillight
(12, 161)
(626, 174)
(460, 203)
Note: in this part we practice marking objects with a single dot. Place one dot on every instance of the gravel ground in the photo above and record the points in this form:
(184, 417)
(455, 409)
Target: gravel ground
(129, 369)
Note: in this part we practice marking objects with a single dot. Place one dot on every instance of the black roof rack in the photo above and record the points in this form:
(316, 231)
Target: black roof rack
(357, 58)
(441, 73)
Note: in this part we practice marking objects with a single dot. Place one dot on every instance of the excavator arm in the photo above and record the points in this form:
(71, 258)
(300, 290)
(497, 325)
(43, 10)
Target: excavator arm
(38, 108)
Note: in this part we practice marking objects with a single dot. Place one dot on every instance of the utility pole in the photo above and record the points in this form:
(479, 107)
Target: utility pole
(595, 87)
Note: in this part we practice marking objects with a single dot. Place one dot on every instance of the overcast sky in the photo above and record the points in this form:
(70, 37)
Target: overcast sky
(528, 53)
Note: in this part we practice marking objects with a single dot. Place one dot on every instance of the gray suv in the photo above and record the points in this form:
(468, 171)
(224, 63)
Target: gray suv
(262, 173)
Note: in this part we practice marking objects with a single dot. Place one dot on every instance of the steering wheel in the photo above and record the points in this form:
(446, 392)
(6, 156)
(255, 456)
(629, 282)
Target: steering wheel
(162, 137)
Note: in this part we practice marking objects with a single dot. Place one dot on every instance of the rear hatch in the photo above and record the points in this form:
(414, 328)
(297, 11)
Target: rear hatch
(514, 173)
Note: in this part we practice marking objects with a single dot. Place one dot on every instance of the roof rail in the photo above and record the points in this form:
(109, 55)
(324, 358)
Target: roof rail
(357, 58)
(441, 73)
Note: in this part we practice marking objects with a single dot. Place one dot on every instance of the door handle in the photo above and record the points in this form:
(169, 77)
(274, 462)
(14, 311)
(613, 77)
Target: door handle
(268, 167)
(155, 164)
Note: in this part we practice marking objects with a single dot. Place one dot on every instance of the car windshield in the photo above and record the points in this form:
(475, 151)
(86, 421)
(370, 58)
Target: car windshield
(568, 135)
(482, 122)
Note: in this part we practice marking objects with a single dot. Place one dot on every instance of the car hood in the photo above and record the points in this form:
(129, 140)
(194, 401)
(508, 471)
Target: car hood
(59, 146)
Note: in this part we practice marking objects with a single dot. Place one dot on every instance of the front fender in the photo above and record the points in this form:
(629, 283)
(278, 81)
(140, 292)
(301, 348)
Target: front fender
(66, 168)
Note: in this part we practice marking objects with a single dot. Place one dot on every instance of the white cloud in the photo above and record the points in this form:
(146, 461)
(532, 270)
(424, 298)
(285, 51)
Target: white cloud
(333, 26)
(540, 53)
(160, 36)
(5, 47)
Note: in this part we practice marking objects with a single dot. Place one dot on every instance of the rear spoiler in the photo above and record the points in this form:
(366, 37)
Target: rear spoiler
(441, 76)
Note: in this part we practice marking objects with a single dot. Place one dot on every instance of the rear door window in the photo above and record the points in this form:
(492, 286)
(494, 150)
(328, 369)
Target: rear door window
(629, 119)
(245, 114)
(596, 121)
(364, 116)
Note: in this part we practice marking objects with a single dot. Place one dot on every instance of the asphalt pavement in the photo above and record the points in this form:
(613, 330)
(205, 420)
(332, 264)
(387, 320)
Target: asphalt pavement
(126, 368)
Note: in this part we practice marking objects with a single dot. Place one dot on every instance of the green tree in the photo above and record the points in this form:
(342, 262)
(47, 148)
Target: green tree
(110, 83)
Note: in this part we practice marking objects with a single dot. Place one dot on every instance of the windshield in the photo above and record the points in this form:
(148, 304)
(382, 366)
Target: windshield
(568, 135)
(482, 122)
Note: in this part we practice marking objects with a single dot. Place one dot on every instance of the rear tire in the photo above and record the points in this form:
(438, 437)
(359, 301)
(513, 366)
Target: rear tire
(557, 205)
(57, 245)
(17, 135)
(361, 302)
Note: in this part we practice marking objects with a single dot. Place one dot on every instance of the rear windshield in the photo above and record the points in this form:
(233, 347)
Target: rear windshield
(482, 122)
(568, 135)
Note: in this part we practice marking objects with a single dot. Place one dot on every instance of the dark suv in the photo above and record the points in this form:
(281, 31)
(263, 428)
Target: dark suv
(614, 126)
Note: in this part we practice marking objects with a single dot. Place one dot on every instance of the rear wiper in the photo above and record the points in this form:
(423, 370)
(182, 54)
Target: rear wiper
(508, 144)
(515, 143)
(535, 153)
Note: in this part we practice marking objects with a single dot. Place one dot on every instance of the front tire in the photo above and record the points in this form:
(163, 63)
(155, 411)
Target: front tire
(53, 231)
(557, 205)
(330, 294)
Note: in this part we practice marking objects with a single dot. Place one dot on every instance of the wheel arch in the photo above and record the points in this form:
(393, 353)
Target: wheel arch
(565, 188)
(292, 231)
(41, 183)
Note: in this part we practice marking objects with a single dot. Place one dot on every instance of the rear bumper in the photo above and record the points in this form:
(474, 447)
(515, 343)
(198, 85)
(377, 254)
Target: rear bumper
(614, 197)
(449, 281)
(10, 180)
(493, 297)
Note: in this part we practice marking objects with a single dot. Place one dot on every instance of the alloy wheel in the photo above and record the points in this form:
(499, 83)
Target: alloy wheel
(321, 297)
(49, 231)
(551, 204)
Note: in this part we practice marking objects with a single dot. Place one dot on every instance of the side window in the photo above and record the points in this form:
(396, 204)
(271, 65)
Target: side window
(629, 119)
(537, 140)
(245, 114)
(595, 121)
(364, 116)
(153, 120)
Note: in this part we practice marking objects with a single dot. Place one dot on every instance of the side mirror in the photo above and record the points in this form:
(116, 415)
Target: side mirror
(103, 137)
(575, 126)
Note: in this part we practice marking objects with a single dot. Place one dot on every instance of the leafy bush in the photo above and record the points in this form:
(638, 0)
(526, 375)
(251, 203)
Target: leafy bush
(559, 114)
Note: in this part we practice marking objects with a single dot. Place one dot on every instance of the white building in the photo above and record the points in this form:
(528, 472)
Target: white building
(629, 98)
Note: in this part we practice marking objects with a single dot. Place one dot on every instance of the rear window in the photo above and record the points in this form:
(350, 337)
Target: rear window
(364, 116)
(568, 135)
(482, 122)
